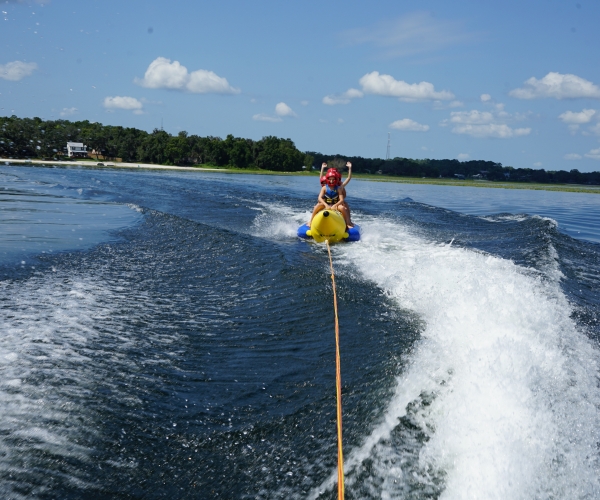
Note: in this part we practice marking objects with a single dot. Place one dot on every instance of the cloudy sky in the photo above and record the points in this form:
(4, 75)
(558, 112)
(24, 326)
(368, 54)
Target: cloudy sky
(513, 82)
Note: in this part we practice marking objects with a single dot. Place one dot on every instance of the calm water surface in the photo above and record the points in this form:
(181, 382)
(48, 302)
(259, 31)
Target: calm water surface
(166, 335)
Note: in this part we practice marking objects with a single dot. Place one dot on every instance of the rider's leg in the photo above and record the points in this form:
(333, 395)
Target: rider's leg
(349, 222)
(344, 212)
(318, 207)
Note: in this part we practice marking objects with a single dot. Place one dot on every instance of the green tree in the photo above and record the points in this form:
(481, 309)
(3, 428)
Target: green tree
(308, 161)
(152, 149)
(279, 155)
(177, 149)
(239, 151)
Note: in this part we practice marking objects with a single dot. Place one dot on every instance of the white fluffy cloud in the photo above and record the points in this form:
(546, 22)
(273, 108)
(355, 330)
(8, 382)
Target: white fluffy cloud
(386, 85)
(473, 117)
(344, 98)
(261, 117)
(572, 156)
(68, 111)
(498, 130)
(164, 74)
(282, 109)
(575, 119)
(584, 116)
(123, 102)
(463, 156)
(558, 86)
(409, 125)
(485, 97)
(16, 70)
(594, 154)
(483, 124)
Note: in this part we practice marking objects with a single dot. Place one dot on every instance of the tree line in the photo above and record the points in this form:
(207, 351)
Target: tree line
(37, 138)
(47, 139)
(478, 169)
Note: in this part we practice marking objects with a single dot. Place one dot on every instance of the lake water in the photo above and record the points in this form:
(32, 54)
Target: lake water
(167, 335)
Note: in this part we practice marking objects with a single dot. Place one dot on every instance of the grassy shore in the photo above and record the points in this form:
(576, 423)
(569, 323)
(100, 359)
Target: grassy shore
(571, 188)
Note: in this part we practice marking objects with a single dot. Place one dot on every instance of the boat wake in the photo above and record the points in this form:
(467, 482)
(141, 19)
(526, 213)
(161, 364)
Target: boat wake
(500, 396)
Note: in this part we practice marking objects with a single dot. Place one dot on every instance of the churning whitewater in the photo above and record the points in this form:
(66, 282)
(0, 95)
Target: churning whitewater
(174, 338)
(499, 398)
(501, 390)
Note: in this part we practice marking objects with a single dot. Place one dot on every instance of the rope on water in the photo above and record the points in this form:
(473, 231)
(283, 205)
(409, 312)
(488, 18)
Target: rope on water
(338, 384)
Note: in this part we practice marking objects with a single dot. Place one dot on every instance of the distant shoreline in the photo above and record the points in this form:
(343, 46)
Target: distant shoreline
(569, 188)
(102, 164)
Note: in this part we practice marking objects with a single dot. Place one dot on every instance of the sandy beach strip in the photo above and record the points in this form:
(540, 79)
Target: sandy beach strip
(569, 188)
(109, 164)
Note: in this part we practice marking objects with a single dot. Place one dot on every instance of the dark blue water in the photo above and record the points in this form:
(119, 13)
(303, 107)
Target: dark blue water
(166, 335)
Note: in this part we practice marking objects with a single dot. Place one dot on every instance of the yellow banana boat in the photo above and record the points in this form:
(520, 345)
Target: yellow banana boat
(329, 225)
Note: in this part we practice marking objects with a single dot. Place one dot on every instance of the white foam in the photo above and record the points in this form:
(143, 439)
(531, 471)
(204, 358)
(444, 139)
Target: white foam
(278, 221)
(61, 336)
(135, 207)
(512, 380)
(45, 326)
(504, 218)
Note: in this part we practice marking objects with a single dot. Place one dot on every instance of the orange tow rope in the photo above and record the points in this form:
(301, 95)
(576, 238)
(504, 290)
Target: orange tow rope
(338, 384)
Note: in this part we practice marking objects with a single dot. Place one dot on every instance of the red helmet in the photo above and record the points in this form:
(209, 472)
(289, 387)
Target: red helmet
(323, 180)
(333, 177)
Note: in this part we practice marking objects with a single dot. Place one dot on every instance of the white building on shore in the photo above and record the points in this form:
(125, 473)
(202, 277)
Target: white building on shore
(76, 149)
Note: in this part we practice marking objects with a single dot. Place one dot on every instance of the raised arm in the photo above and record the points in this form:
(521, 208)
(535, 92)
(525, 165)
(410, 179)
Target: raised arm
(323, 167)
(349, 165)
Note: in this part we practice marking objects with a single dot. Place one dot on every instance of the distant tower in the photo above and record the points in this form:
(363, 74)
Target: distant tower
(387, 156)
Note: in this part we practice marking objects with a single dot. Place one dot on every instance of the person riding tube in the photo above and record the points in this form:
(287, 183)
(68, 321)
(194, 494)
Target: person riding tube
(332, 197)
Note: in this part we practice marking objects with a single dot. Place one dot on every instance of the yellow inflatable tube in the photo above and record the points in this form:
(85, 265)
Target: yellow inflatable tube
(328, 225)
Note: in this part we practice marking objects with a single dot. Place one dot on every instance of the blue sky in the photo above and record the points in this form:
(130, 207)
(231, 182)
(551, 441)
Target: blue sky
(513, 82)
